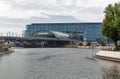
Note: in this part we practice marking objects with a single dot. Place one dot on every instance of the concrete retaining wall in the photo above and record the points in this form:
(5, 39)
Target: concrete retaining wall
(108, 55)
(10, 50)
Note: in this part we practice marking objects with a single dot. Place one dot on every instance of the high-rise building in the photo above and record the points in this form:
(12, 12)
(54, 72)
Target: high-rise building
(79, 31)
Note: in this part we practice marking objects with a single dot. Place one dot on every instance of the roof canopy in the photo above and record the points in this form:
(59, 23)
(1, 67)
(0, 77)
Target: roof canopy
(50, 34)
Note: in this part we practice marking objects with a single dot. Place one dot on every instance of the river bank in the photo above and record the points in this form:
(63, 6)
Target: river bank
(8, 50)
(109, 55)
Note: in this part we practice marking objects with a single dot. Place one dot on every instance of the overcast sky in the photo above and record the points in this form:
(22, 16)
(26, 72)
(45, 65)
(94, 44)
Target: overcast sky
(16, 14)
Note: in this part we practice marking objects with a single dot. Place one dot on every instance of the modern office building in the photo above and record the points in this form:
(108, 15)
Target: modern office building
(78, 31)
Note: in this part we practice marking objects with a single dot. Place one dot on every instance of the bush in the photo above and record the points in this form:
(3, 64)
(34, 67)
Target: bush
(7, 45)
(117, 49)
(5, 49)
(80, 44)
(88, 44)
(102, 43)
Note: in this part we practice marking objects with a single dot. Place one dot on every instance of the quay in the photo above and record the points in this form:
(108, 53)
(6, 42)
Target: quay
(108, 55)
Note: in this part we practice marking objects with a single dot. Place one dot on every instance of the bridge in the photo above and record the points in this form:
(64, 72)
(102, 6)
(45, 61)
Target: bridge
(30, 42)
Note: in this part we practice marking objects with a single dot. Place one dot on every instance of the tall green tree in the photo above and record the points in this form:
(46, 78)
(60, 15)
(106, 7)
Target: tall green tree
(111, 23)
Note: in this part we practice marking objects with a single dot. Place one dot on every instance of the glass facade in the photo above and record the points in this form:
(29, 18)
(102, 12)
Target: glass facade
(79, 31)
(50, 34)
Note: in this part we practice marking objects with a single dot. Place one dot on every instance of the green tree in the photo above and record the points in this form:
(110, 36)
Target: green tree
(111, 23)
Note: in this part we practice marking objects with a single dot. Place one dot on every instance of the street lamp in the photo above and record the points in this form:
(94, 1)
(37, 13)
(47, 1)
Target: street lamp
(71, 36)
(1, 34)
(7, 34)
(12, 34)
(15, 34)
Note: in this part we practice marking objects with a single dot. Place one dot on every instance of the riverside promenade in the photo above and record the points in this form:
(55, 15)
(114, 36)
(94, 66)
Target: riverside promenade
(109, 55)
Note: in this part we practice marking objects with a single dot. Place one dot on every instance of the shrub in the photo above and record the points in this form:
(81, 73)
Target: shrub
(80, 44)
(88, 44)
(102, 43)
(7, 45)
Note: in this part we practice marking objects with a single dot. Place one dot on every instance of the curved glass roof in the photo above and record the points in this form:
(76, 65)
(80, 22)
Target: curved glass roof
(50, 34)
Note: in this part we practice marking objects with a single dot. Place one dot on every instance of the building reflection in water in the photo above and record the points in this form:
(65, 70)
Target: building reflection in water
(111, 73)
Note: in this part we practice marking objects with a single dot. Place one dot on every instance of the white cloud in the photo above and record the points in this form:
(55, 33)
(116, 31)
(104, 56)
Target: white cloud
(43, 8)
(4, 6)
(83, 10)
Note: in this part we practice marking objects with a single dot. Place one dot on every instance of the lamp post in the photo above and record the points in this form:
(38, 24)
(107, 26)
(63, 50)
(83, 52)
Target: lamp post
(19, 35)
(12, 34)
(71, 36)
(84, 40)
(1, 34)
(15, 34)
(7, 34)
(92, 44)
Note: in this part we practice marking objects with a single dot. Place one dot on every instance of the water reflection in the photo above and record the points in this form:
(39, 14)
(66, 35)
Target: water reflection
(47, 57)
(0, 60)
(111, 73)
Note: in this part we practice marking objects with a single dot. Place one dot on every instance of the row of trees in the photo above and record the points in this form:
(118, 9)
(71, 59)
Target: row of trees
(111, 23)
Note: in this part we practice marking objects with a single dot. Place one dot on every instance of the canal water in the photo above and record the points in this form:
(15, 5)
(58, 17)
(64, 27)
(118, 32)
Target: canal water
(56, 63)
